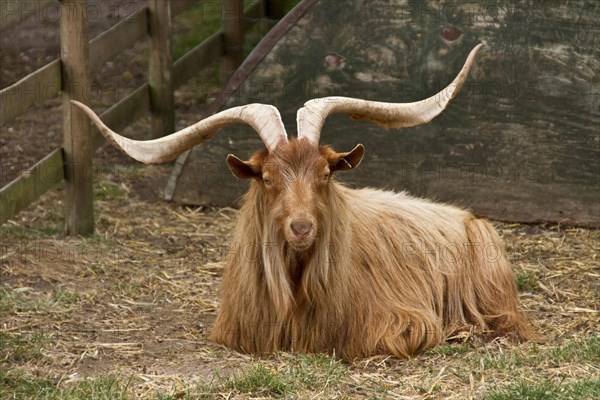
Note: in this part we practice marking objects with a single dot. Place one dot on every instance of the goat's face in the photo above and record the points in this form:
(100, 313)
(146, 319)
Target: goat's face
(294, 180)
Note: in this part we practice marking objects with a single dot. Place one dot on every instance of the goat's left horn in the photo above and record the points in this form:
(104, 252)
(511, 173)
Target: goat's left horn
(263, 118)
(311, 117)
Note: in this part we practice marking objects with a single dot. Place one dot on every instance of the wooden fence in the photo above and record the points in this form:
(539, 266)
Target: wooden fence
(69, 77)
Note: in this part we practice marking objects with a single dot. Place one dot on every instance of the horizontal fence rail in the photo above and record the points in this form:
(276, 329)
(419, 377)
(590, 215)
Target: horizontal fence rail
(45, 83)
(30, 185)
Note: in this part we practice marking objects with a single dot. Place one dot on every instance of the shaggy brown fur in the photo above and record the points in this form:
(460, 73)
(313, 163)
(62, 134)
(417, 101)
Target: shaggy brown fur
(378, 273)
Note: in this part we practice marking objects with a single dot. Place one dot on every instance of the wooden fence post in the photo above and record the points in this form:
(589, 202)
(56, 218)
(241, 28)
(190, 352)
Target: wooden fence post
(162, 104)
(77, 141)
(232, 22)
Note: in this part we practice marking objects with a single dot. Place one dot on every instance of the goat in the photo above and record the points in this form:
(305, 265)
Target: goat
(319, 267)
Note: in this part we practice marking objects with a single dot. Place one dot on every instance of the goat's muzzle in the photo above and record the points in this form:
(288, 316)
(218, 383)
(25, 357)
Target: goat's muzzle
(301, 228)
(301, 233)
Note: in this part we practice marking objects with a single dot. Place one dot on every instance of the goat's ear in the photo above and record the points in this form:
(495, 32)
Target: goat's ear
(242, 169)
(346, 161)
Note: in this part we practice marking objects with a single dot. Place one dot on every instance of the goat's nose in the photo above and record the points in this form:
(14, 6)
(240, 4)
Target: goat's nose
(301, 227)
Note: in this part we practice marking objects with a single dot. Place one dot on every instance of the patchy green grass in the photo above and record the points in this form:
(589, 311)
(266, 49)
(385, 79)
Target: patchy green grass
(18, 385)
(585, 350)
(104, 388)
(130, 288)
(526, 281)
(16, 348)
(20, 350)
(549, 390)
(300, 376)
(311, 376)
(451, 349)
(9, 300)
(11, 233)
(104, 190)
(66, 297)
(12, 301)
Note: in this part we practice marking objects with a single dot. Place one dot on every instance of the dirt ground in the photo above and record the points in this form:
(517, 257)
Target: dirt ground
(138, 298)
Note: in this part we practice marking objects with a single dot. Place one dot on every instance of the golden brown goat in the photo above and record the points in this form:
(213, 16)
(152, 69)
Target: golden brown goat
(319, 267)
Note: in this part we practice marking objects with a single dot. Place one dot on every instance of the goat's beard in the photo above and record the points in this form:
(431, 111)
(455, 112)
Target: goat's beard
(283, 258)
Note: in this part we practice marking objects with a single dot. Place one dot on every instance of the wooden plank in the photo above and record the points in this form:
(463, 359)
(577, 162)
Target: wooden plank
(41, 85)
(232, 23)
(15, 11)
(197, 59)
(119, 37)
(77, 141)
(124, 113)
(162, 102)
(30, 185)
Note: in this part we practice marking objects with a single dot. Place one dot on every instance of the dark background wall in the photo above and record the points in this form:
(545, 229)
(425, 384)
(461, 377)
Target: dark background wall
(520, 143)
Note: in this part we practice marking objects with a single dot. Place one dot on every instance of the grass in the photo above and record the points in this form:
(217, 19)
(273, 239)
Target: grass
(9, 234)
(66, 297)
(12, 301)
(108, 387)
(451, 349)
(585, 350)
(19, 351)
(18, 385)
(549, 390)
(22, 348)
(9, 300)
(107, 191)
(298, 376)
(289, 376)
(526, 281)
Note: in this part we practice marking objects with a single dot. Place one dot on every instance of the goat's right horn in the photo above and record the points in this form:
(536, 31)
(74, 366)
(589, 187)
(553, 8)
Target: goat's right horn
(264, 119)
(311, 117)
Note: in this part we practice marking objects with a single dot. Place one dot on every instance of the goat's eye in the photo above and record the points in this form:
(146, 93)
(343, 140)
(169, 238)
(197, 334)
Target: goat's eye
(267, 181)
(326, 177)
